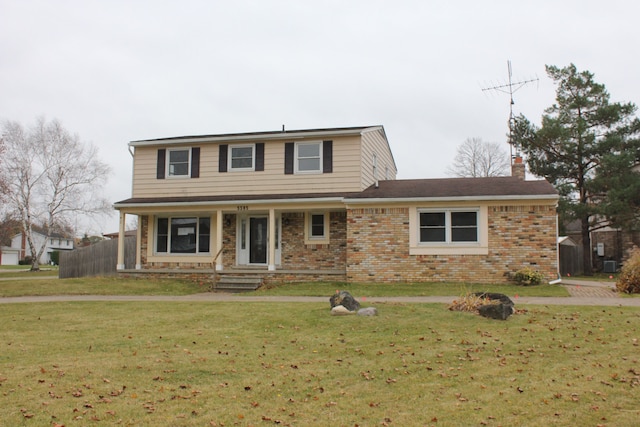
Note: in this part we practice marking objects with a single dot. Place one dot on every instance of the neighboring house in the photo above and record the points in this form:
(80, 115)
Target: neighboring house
(611, 247)
(56, 242)
(325, 204)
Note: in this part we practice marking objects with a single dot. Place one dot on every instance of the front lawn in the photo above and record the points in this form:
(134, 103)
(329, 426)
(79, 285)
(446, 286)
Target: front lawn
(96, 286)
(123, 286)
(411, 289)
(214, 364)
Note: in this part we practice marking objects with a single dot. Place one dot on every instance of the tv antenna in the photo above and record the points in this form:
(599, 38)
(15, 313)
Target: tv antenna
(510, 88)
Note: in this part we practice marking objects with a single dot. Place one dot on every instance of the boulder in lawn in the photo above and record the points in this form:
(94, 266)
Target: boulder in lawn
(345, 299)
(501, 309)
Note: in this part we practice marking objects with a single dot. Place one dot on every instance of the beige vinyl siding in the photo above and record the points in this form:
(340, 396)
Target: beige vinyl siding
(345, 175)
(375, 142)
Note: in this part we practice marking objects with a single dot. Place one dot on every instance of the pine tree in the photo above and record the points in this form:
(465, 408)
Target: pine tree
(587, 147)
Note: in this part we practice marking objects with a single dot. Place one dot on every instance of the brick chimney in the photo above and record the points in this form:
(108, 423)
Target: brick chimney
(518, 168)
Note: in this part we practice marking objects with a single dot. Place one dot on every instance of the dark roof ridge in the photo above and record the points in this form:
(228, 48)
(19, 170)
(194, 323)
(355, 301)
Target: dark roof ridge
(284, 132)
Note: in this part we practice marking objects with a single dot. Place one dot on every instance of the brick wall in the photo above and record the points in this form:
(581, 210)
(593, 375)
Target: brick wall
(519, 236)
(297, 255)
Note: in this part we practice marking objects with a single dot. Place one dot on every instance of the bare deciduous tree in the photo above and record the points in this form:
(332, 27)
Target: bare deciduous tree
(476, 158)
(3, 177)
(52, 176)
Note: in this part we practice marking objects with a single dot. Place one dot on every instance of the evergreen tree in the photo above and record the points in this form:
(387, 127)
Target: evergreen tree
(587, 147)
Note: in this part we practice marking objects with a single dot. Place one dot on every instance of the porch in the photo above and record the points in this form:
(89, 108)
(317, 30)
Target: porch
(279, 245)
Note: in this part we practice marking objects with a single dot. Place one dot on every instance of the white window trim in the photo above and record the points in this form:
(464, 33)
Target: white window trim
(296, 158)
(230, 167)
(316, 240)
(168, 164)
(480, 247)
(168, 253)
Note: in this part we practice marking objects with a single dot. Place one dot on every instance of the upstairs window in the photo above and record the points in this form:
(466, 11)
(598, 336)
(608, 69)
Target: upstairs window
(449, 226)
(308, 157)
(178, 162)
(241, 157)
(245, 157)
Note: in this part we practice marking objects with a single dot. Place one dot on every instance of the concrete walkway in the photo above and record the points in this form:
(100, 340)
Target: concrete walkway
(581, 293)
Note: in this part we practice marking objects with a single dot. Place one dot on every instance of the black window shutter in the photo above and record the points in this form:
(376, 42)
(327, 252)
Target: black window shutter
(195, 162)
(327, 156)
(260, 156)
(222, 158)
(288, 158)
(162, 157)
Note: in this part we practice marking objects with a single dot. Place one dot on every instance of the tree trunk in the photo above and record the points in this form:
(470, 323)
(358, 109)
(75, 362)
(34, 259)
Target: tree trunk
(586, 247)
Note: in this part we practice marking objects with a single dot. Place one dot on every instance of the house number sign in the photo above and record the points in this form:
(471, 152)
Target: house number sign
(243, 208)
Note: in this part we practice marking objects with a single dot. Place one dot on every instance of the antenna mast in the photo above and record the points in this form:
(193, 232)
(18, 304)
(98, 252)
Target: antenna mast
(509, 89)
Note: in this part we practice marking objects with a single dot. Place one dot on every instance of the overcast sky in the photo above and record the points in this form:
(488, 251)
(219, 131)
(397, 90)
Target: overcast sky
(116, 71)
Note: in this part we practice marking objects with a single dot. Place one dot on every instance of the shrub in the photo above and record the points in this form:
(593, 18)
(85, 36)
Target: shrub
(470, 302)
(528, 277)
(629, 278)
(28, 260)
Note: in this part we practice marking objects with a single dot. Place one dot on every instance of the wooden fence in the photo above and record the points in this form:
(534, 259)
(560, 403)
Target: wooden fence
(99, 259)
(571, 262)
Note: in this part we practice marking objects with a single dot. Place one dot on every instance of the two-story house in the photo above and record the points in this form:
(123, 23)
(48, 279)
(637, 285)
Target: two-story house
(19, 248)
(324, 204)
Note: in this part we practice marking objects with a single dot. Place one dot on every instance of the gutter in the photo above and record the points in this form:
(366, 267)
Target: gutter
(363, 200)
(230, 202)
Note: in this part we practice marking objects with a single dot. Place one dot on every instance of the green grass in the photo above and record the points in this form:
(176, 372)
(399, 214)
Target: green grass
(411, 289)
(22, 271)
(213, 364)
(51, 285)
(97, 286)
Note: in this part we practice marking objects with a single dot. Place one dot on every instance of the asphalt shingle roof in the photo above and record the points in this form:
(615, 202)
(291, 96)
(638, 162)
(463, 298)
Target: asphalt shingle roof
(503, 186)
(443, 188)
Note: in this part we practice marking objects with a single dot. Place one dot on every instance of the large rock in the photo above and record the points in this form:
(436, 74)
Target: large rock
(502, 309)
(498, 311)
(345, 299)
(495, 297)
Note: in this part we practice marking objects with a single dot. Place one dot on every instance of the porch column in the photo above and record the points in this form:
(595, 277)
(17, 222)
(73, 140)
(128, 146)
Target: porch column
(272, 240)
(219, 222)
(121, 235)
(139, 244)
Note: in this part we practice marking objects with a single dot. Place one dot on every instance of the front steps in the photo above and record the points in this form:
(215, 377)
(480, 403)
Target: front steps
(237, 283)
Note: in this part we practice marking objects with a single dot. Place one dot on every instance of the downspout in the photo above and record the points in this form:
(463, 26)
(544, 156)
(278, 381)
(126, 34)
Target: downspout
(132, 166)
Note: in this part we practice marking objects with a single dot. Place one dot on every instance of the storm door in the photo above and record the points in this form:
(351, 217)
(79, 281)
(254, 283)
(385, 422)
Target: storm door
(258, 240)
(253, 240)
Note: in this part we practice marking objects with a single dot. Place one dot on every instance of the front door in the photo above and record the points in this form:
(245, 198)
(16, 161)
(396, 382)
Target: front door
(253, 240)
(258, 240)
